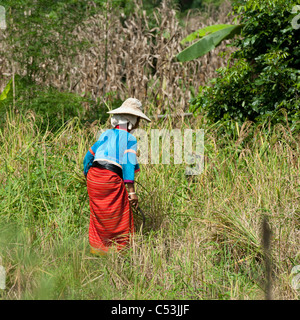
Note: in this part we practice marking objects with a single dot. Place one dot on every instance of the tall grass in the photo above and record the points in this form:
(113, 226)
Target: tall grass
(202, 238)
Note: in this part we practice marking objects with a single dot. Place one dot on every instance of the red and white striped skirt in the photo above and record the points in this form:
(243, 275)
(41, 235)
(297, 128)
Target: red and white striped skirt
(111, 218)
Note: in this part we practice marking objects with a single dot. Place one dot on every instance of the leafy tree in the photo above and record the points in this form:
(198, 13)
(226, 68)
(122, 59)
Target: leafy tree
(262, 76)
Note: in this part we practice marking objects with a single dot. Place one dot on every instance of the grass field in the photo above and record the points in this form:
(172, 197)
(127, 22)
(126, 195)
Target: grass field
(202, 239)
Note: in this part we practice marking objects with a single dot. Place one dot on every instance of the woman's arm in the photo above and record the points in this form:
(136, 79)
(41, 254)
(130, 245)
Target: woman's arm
(89, 158)
(130, 167)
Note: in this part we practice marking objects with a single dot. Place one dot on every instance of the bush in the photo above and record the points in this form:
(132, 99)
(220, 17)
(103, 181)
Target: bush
(263, 75)
(51, 106)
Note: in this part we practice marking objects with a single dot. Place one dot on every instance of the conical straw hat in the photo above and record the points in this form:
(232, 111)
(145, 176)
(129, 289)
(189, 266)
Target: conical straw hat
(131, 106)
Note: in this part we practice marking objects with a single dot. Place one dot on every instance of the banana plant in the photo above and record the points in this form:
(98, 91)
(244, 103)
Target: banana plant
(210, 38)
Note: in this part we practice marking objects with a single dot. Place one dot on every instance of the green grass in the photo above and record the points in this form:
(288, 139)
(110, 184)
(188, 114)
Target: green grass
(202, 238)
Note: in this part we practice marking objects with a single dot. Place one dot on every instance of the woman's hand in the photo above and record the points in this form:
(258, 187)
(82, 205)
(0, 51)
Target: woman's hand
(133, 199)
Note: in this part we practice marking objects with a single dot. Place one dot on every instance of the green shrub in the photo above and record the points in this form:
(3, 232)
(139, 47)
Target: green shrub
(263, 75)
(52, 107)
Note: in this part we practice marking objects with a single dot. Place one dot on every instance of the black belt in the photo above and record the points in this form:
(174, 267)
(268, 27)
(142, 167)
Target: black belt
(108, 166)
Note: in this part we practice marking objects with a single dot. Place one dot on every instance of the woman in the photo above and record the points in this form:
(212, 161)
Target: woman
(109, 165)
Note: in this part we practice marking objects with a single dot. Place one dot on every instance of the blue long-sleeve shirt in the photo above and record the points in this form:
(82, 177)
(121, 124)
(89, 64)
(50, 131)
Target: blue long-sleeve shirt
(118, 147)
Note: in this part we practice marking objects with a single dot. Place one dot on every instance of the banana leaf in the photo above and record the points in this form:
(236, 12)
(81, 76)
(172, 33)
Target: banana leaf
(208, 42)
(6, 90)
(203, 32)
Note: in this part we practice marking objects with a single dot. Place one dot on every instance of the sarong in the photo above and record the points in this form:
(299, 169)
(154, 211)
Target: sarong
(111, 218)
